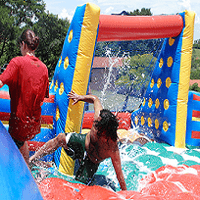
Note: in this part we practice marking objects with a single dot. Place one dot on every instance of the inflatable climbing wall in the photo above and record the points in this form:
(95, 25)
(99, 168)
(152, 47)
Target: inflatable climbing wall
(163, 114)
(72, 73)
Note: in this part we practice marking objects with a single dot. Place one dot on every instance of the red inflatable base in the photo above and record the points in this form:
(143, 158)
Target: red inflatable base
(166, 183)
(56, 189)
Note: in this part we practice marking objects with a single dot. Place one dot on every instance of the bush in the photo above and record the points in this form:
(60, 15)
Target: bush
(194, 87)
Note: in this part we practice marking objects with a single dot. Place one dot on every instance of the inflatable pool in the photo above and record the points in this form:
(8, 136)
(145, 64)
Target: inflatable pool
(157, 161)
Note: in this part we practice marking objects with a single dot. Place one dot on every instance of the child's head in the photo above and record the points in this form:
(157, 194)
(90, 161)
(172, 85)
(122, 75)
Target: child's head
(29, 38)
(107, 124)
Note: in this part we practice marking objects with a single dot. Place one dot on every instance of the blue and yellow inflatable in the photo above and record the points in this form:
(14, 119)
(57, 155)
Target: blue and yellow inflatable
(163, 114)
(72, 73)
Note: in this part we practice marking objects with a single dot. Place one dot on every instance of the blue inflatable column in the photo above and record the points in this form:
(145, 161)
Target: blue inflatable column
(73, 73)
(17, 181)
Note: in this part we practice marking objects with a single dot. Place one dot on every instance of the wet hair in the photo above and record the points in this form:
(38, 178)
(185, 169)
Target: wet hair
(28, 36)
(107, 124)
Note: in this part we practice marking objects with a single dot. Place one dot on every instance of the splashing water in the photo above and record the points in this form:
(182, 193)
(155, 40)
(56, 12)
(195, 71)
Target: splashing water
(108, 77)
(137, 161)
(111, 95)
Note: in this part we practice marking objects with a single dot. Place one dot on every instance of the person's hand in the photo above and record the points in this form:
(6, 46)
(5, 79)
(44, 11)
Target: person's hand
(75, 97)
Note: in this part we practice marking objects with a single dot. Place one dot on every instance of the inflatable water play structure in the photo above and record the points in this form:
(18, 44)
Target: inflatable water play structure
(164, 109)
(168, 114)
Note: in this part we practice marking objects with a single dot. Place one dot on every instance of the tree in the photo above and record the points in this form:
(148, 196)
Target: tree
(196, 44)
(194, 87)
(144, 11)
(134, 75)
(52, 32)
(14, 15)
(195, 63)
(19, 15)
(7, 36)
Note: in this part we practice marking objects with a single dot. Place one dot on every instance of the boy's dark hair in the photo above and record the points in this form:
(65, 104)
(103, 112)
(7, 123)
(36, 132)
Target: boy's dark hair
(108, 124)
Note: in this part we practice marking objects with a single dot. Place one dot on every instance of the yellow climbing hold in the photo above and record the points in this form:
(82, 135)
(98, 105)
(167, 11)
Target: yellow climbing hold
(136, 120)
(171, 41)
(168, 82)
(144, 101)
(152, 83)
(165, 126)
(142, 120)
(57, 114)
(149, 122)
(70, 36)
(169, 61)
(150, 103)
(157, 103)
(161, 63)
(166, 104)
(61, 90)
(156, 123)
(159, 83)
(56, 86)
(66, 63)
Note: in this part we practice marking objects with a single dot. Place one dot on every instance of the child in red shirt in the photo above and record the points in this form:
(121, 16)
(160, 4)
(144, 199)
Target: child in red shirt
(27, 78)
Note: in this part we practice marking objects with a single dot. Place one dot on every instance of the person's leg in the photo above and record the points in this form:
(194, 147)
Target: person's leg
(23, 147)
(86, 170)
(25, 152)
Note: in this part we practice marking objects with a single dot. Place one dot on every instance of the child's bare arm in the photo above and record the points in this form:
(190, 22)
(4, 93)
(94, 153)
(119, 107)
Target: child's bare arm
(89, 99)
(116, 161)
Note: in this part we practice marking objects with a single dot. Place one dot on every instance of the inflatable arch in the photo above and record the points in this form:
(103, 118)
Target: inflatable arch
(164, 110)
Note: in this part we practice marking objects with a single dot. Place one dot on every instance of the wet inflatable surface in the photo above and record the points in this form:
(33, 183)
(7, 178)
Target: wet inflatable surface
(152, 171)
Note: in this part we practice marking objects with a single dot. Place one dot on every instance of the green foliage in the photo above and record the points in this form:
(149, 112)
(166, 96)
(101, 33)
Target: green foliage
(135, 72)
(14, 15)
(52, 32)
(19, 15)
(144, 11)
(195, 59)
(195, 64)
(195, 74)
(7, 35)
(194, 87)
(196, 44)
(25, 11)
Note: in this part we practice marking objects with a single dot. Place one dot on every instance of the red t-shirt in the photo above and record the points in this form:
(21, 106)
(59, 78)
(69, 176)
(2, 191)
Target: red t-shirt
(27, 78)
